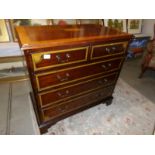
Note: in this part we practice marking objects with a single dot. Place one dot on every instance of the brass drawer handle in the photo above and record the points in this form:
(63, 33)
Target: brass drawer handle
(60, 60)
(68, 55)
(63, 94)
(103, 66)
(102, 81)
(67, 75)
(107, 49)
(113, 48)
(109, 64)
(105, 80)
(106, 66)
(58, 56)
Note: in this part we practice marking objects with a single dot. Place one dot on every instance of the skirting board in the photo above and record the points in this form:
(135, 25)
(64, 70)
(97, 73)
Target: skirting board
(8, 65)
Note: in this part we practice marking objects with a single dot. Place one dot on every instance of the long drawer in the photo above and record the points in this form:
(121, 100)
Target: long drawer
(57, 78)
(55, 96)
(50, 59)
(66, 107)
(107, 50)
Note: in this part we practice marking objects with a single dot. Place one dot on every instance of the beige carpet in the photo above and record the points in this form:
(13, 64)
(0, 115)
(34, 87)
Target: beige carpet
(130, 114)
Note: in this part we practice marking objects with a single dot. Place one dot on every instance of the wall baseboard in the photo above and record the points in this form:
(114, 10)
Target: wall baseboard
(11, 59)
(14, 79)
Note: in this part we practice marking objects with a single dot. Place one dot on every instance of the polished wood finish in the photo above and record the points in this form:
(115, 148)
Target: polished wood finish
(53, 97)
(52, 79)
(50, 59)
(34, 37)
(78, 102)
(108, 50)
(71, 67)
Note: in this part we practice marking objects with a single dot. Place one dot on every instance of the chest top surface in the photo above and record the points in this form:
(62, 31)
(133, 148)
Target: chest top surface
(32, 37)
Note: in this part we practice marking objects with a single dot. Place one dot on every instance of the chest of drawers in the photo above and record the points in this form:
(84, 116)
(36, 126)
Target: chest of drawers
(71, 68)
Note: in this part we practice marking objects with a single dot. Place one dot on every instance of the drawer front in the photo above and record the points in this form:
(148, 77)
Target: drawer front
(44, 60)
(59, 110)
(105, 50)
(53, 97)
(57, 78)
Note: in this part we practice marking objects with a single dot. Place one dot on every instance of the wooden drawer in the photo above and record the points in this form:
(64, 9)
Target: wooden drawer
(57, 78)
(56, 96)
(50, 59)
(59, 110)
(105, 50)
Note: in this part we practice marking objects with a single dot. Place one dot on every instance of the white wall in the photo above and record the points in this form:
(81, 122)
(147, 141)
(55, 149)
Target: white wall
(148, 26)
(10, 49)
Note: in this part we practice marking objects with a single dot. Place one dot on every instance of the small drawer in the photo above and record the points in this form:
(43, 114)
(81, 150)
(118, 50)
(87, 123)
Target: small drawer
(105, 50)
(74, 104)
(55, 58)
(56, 96)
(57, 78)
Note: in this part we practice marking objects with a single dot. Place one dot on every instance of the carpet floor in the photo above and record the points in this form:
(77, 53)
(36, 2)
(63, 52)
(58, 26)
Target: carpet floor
(130, 114)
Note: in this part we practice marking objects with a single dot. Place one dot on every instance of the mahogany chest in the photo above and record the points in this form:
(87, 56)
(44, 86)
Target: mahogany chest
(71, 68)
